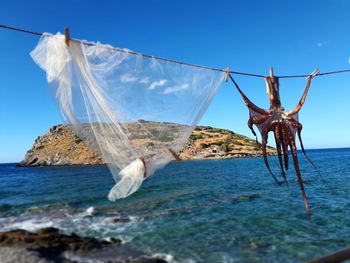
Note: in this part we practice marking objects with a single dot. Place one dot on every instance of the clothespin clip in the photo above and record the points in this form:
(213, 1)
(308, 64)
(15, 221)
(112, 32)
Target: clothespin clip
(313, 74)
(271, 72)
(174, 154)
(66, 33)
(227, 70)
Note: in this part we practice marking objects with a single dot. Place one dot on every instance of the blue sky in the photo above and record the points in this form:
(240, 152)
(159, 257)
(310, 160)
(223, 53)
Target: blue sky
(293, 36)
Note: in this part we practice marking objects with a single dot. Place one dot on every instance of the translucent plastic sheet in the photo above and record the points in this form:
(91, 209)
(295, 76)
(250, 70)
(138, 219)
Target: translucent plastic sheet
(136, 112)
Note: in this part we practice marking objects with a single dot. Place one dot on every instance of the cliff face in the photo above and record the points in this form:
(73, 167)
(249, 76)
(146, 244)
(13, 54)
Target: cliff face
(213, 143)
(60, 146)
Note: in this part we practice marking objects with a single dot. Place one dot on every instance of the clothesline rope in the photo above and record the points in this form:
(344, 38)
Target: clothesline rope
(177, 61)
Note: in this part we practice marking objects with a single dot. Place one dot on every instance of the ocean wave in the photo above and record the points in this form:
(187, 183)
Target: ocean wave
(85, 222)
(167, 257)
(31, 225)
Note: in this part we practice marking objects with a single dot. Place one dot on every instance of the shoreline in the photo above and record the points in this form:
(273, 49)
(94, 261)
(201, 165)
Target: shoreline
(18, 164)
(50, 245)
(310, 149)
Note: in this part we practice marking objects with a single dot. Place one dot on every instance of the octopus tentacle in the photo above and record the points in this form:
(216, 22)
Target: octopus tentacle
(299, 127)
(285, 143)
(279, 150)
(247, 102)
(256, 120)
(307, 157)
(250, 125)
(264, 144)
(297, 169)
(295, 124)
(303, 98)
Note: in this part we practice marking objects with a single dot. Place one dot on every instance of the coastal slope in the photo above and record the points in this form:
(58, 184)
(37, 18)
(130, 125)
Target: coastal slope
(60, 146)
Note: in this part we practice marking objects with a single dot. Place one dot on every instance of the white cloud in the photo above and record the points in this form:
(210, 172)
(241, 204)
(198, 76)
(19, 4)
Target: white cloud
(144, 80)
(157, 84)
(126, 78)
(176, 88)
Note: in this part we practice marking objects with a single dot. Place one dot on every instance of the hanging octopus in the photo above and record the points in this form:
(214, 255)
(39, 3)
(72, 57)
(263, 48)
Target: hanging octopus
(283, 124)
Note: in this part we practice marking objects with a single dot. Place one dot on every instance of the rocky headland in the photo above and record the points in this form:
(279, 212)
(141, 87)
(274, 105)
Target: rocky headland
(60, 146)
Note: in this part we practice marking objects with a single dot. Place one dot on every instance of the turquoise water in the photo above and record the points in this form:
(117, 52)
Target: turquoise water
(195, 211)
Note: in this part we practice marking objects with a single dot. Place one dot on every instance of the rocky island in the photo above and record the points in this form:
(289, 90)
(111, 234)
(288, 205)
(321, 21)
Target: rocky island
(60, 146)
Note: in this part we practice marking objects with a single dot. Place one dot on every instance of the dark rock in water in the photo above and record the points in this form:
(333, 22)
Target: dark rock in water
(48, 245)
(47, 231)
(245, 197)
(120, 220)
(148, 260)
(14, 255)
(50, 240)
(256, 245)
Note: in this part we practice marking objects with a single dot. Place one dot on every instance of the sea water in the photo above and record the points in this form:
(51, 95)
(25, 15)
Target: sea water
(192, 211)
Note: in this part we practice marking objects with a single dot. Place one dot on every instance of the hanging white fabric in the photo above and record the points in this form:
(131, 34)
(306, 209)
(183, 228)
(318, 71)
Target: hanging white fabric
(135, 112)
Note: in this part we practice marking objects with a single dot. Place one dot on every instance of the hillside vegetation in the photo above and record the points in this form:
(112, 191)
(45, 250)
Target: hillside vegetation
(60, 146)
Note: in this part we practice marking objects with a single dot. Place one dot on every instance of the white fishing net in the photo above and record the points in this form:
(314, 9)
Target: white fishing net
(136, 112)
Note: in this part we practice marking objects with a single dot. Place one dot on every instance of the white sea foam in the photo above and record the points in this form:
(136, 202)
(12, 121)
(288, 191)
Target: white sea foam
(90, 211)
(227, 259)
(86, 222)
(29, 225)
(167, 257)
(80, 259)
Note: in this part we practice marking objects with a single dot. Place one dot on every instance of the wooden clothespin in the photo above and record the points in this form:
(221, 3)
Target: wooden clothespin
(144, 165)
(313, 74)
(271, 72)
(174, 154)
(227, 70)
(66, 33)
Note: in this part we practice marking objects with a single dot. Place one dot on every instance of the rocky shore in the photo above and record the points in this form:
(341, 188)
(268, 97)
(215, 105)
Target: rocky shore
(48, 245)
(60, 146)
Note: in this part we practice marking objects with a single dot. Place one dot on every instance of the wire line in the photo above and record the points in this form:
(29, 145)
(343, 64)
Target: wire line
(176, 61)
